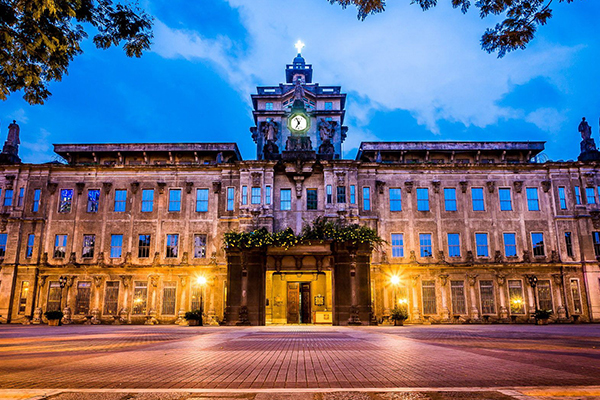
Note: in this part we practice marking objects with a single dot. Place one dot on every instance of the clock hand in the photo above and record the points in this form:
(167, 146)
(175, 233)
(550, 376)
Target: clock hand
(297, 122)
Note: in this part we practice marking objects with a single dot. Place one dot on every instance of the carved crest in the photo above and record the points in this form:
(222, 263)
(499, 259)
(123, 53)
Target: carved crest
(464, 186)
(161, 187)
(216, 187)
(436, 186)
(188, 187)
(134, 187)
(491, 185)
(256, 178)
(409, 186)
(518, 186)
(546, 185)
(379, 185)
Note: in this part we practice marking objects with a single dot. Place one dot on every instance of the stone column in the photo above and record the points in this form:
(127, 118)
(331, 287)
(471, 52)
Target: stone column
(472, 278)
(183, 300)
(37, 314)
(354, 318)
(443, 285)
(97, 287)
(152, 313)
(501, 279)
(416, 316)
(124, 314)
(561, 303)
(66, 320)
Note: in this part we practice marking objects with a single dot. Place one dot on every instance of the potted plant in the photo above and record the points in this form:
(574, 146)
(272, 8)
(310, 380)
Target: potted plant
(399, 315)
(541, 316)
(194, 318)
(53, 317)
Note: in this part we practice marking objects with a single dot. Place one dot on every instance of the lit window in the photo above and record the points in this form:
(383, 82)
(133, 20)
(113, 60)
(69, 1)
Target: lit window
(576, 295)
(147, 200)
(515, 296)
(450, 199)
(174, 200)
(397, 245)
(505, 199)
(429, 298)
(422, 199)
(268, 106)
(172, 246)
(66, 199)
(352, 194)
(510, 245)
(230, 198)
(199, 246)
(533, 203)
(286, 199)
(30, 242)
(481, 242)
(3, 238)
(111, 298)
(395, 199)
(89, 242)
(140, 297)
(454, 245)
(169, 298)
(37, 194)
(562, 198)
(328, 105)
(60, 246)
(477, 199)
(544, 295)
(23, 297)
(255, 195)
(93, 200)
(366, 198)
(569, 244)
(425, 244)
(116, 246)
(537, 241)
(82, 299)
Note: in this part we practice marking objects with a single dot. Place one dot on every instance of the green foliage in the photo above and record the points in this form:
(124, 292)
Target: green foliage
(521, 18)
(193, 315)
(542, 314)
(53, 315)
(39, 38)
(399, 314)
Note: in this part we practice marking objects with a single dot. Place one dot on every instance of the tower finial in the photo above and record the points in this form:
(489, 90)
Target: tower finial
(299, 45)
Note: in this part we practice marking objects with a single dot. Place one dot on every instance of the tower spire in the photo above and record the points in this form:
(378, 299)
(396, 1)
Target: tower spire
(299, 46)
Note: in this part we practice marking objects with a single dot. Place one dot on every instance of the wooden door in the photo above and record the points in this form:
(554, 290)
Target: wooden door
(305, 315)
(293, 300)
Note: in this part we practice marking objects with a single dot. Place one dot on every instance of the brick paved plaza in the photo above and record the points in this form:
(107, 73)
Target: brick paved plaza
(174, 357)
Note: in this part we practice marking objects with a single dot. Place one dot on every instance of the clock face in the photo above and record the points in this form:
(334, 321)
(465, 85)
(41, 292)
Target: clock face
(298, 123)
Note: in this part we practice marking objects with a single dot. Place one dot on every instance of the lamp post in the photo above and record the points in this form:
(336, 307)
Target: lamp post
(201, 282)
(62, 281)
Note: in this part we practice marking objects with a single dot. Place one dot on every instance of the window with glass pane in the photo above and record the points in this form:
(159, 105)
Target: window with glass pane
(3, 239)
(537, 240)
(341, 195)
(255, 196)
(201, 200)
(37, 194)
(30, 242)
(268, 106)
(329, 194)
(328, 105)
(422, 199)
(505, 199)
(457, 289)
(111, 298)
(577, 195)
(569, 244)
(510, 245)
(576, 296)
(174, 200)
(590, 195)
(196, 297)
(20, 198)
(147, 200)
(199, 246)
(8, 197)
(366, 198)
(515, 297)
(486, 291)
(65, 202)
(352, 194)
(89, 242)
(230, 198)
(425, 244)
(267, 195)
(450, 199)
(596, 240)
(54, 297)
(395, 199)
(481, 242)
(60, 246)
(93, 200)
(172, 246)
(286, 199)
(82, 300)
(169, 293)
(116, 246)
(140, 297)
(120, 200)
(23, 297)
(429, 306)
(397, 245)
(453, 245)
(311, 199)
(244, 195)
(562, 198)
(533, 203)
(144, 246)
(544, 295)
(477, 199)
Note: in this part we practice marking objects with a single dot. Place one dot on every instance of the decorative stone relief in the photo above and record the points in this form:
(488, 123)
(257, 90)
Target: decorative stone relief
(256, 178)
(546, 185)
(107, 186)
(80, 186)
(436, 186)
(463, 186)
(409, 186)
(491, 185)
(188, 187)
(52, 186)
(379, 185)
(518, 186)
(161, 187)
(134, 187)
(216, 187)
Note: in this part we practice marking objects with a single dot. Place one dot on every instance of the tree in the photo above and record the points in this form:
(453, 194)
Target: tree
(521, 18)
(39, 38)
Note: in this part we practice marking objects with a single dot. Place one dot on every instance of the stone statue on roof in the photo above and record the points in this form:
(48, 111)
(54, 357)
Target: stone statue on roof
(270, 131)
(13, 134)
(298, 90)
(585, 129)
(10, 151)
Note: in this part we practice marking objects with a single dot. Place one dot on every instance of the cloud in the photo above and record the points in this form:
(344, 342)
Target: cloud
(39, 151)
(18, 115)
(548, 119)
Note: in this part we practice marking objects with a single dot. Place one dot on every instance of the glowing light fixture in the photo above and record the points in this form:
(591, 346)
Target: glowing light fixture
(201, 281)
(299, 45)
(395, 280)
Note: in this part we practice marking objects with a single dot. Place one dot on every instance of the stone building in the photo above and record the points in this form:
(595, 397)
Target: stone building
(474, 231)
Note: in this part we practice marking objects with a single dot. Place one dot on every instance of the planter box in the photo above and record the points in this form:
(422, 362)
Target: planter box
(193, 322)
(53, 322)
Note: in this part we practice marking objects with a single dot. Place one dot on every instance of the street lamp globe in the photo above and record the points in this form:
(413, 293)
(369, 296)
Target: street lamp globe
(201, 281)
(395, 280)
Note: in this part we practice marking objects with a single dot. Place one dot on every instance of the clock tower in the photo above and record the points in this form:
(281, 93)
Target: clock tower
(299, 119)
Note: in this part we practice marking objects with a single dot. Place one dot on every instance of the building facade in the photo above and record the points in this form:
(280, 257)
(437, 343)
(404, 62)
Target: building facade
(475, 231)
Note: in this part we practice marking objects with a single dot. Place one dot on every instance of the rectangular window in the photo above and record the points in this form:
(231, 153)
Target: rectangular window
(230, 198)
(172, 246)
(366, 198)
(268, 106)
(174, 200)
(457, 289)
(3, 239)
(352, 194)
(537, 241)
(477, 199)
(89, 242)
(285, 203)
(311, 199)
(268, 195)
(82, 299)
(93, 200)
(54, 297)
(429, 306)
(328, 105)
(256, 196)
(596, 240)
(569, 244)
(196, 297)
(201, 200)
(329, 194)
(37, 194)
(510, 245)
(199, 246)
(533, 202)
(8, 197)
(140, 297)
(577, 196)
(505, 199)
(425, 244)
(544, 295)
(30, 242)
(395, 199)
(60, 246)
(147, 200)
(453, 245)
(169, 296)
(450, 199)
(481, 242)
(590, 195)
(120, 200)
(22, 194)
(422, 199)
(23, 297)
(144, 246)
(515, 297)
(397, 245)
(486, 291)
(576, 295)
(66, 199)
(111, 298)
(116, 246)
(562, 198)
(341, 195)
(244, 195)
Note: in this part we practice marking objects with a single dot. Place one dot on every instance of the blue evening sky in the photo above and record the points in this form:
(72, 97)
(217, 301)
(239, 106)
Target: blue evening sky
(409, 75)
